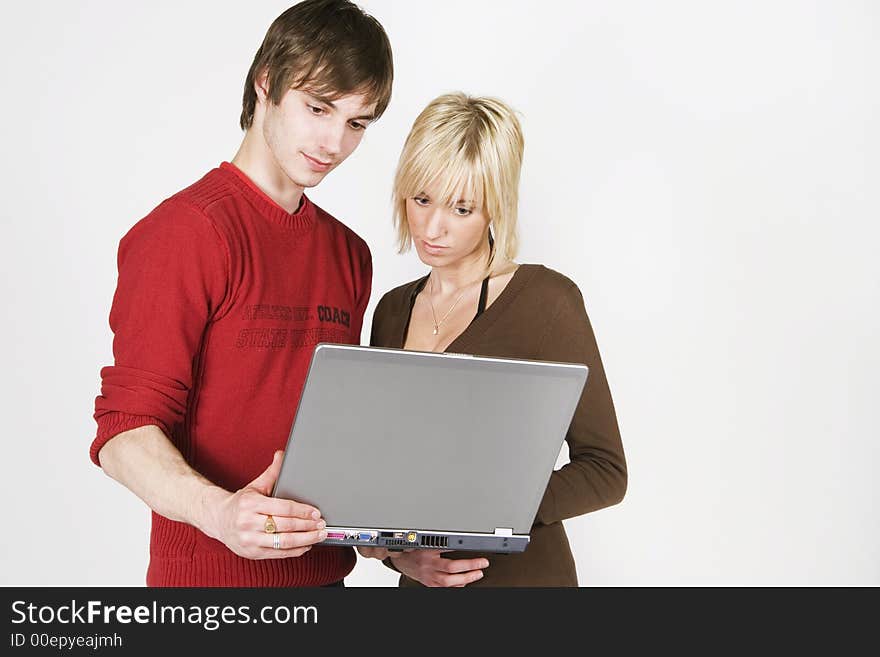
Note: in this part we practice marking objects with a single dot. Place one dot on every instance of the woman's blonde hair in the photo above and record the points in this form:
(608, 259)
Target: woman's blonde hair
(468, 147)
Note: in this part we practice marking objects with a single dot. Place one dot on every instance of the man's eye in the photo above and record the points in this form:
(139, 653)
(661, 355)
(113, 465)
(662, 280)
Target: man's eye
(316, 110)
(357, 126)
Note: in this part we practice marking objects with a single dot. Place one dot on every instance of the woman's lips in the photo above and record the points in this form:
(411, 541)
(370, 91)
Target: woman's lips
(434, 249)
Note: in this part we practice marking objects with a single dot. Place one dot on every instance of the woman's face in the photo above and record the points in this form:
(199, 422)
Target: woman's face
(445, 235)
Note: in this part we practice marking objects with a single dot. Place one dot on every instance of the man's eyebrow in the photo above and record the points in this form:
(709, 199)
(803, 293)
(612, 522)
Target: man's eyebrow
(329, 103)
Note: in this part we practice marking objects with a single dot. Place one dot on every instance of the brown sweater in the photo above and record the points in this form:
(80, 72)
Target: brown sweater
(540, 316)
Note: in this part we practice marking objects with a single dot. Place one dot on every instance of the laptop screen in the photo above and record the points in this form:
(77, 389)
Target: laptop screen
(401, 439)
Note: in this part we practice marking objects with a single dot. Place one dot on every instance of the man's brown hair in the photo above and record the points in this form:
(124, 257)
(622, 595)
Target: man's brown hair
(330, 47)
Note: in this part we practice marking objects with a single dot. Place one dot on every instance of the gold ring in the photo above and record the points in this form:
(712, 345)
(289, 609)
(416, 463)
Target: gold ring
(269, 526)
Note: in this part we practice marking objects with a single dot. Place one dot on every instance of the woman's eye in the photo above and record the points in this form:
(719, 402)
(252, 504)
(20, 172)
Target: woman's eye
(421, 200)
(462, 212)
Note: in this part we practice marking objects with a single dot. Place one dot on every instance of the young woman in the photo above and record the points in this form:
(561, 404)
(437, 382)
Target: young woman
(456, 192)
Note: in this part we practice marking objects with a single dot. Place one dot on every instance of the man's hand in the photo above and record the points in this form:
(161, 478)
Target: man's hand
(429, 568)
(146, 462)
(238, 519)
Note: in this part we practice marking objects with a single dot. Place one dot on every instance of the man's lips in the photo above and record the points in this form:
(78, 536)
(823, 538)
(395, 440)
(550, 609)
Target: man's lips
(317, 164)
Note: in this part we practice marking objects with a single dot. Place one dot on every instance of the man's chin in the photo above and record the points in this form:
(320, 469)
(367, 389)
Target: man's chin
(308, 181)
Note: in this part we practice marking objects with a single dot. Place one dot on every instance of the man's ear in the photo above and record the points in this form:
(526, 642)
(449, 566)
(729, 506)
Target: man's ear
(261, 85)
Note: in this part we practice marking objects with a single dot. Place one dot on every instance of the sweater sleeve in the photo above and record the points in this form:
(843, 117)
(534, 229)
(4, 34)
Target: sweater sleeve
(172, 279)
(596, 475)
(364, 295)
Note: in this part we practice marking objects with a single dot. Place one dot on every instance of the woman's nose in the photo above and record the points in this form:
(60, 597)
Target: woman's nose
(435, 227)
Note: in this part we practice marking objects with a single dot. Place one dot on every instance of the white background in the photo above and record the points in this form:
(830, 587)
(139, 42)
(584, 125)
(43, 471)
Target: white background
(707, 172)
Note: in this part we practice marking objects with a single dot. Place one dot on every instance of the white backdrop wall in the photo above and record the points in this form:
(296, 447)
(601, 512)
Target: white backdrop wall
(707, 172)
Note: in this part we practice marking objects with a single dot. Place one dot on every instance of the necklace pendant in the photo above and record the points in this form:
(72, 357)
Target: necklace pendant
(436, 331)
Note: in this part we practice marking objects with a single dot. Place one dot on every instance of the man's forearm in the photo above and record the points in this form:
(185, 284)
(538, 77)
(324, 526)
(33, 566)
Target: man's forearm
(146, 462)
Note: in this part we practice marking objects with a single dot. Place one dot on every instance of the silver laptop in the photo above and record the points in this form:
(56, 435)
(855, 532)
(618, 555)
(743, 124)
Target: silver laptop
(409, 449)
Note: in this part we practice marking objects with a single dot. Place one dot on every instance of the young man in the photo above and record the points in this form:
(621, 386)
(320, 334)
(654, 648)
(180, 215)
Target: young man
(223, 291)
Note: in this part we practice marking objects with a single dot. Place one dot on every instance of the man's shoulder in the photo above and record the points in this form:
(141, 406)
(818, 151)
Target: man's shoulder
(347, 233)
(206, 194)
(184, 215)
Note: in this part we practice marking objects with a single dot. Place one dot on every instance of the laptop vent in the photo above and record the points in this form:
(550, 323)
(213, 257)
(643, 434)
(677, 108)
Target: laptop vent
(395, 541)
(434, 541)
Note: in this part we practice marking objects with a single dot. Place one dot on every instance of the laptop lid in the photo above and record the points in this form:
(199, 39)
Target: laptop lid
(446, 443)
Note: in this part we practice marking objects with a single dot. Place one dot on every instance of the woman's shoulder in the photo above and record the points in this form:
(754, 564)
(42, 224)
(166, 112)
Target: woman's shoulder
(548, 281)
(559, 298)
(398, 298)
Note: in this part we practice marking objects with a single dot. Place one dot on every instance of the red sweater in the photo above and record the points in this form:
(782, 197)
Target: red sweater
(222, 296)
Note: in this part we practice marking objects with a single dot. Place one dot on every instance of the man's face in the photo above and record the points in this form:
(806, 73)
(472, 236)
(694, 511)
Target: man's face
(309, 136)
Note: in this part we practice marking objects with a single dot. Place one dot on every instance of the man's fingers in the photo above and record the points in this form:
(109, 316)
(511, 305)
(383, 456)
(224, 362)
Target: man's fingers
(285, 524)
(269, 476)
(279, 508)
(272, 553)
(290, 540)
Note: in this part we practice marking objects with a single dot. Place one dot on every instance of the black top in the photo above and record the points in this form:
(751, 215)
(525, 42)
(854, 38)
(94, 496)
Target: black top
(481, 304)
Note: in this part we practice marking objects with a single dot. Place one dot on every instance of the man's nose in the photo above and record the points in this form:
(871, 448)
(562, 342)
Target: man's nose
(332, 138)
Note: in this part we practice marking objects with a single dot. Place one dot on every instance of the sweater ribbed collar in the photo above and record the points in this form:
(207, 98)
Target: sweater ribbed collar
(304, 217)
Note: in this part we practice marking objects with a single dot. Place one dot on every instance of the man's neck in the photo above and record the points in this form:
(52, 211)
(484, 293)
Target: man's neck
(256, 161)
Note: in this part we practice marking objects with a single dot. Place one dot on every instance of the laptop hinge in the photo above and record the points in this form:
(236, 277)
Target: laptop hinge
(503, 531)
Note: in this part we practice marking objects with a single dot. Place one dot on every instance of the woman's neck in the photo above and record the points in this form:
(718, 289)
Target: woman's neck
(450, 279)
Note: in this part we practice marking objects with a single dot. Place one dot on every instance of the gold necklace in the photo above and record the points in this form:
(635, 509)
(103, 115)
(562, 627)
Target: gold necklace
(437, 324)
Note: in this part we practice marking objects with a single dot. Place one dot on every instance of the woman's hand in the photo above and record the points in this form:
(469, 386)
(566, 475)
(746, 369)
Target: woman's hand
(373, 552)
(431, 569)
